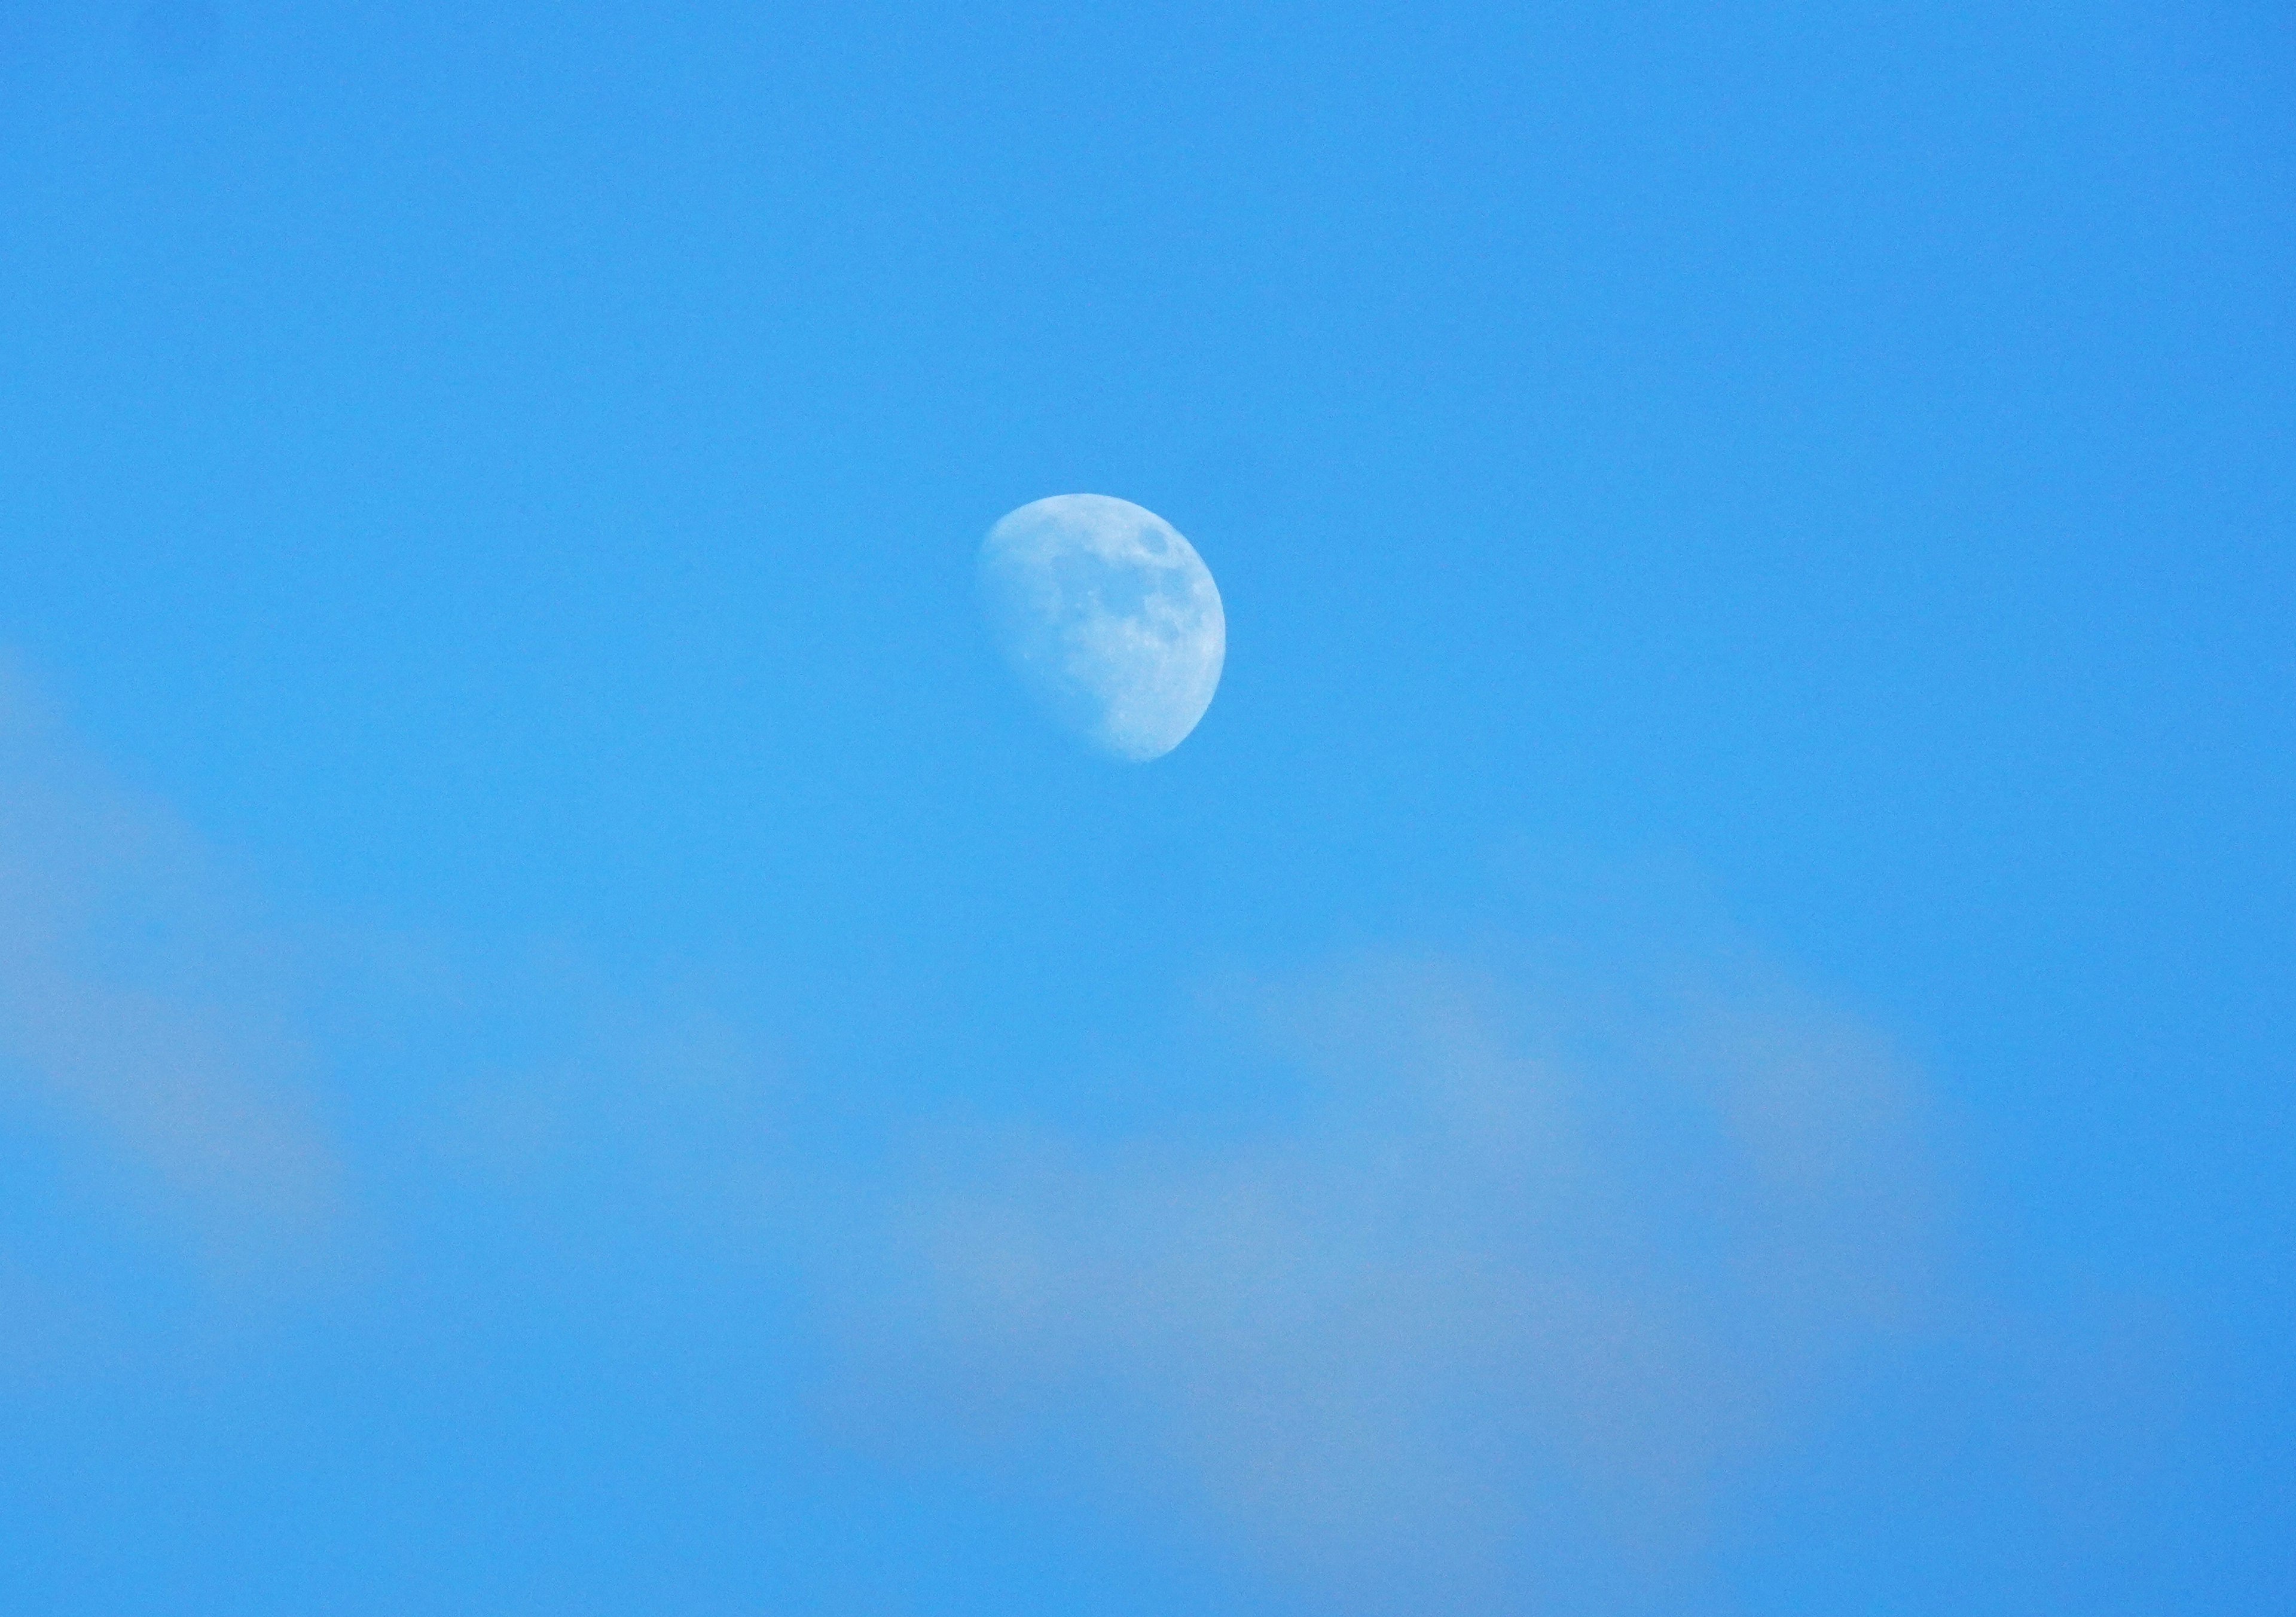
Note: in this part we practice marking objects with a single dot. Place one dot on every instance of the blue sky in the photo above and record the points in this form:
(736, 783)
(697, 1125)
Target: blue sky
(1703, 1026)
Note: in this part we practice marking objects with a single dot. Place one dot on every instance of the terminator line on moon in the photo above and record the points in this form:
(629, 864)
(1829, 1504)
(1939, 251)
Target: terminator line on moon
(1110, 619)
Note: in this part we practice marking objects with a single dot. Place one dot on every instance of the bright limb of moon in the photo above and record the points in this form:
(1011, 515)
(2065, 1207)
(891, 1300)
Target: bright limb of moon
(1110, 619)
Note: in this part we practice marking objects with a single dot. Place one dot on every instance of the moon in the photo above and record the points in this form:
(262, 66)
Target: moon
(1110, 619)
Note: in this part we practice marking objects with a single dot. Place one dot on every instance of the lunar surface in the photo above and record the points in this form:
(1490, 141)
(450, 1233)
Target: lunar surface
(1110, 619)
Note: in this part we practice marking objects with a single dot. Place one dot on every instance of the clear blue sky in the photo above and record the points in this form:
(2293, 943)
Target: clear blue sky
(1705, 1024)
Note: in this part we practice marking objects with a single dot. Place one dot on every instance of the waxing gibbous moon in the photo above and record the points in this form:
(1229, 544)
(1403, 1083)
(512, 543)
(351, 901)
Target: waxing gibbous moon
(1108, 617)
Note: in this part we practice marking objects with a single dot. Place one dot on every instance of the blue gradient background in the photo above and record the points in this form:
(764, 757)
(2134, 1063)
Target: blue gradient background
(1805, 480)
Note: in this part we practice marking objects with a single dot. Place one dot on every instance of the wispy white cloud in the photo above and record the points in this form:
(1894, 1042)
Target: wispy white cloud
(141, 1013)
(1495, 1322)
(1494, 1305)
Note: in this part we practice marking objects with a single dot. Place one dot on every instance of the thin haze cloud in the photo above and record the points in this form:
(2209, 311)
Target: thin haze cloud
(1507, 1295)
(1498, 1324)
(140, 1012)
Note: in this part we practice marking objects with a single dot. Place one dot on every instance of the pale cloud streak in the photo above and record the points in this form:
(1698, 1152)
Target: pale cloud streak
(1490, 1326)
(142, 1012)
